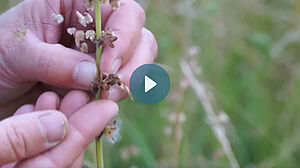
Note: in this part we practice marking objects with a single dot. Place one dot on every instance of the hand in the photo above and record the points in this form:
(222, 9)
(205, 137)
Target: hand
(45, 54)
(38, 136)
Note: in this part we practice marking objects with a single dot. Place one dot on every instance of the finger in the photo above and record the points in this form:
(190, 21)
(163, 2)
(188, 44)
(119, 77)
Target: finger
(47, 101)
(26, 135)
(127, 23)
(145, 53)
(54, 64)
(79, 161)
(84, 126)
(28, 108)
(73, 101)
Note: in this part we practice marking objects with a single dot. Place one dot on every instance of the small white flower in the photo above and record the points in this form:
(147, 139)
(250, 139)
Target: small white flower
(90, 34)
(58, 18)
(84, 20)
(71, 30)
(88, 18)
(79, 36)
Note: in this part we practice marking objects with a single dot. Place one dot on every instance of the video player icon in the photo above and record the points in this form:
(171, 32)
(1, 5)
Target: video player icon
(149, 84)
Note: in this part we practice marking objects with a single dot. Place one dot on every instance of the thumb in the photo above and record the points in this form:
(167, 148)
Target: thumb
(57, 65)
(27, 135)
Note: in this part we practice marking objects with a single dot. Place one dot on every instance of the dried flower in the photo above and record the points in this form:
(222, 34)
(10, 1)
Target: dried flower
(108, 37)
(58, 18)
(84, 20)
(106, 81)
(20, 32)
(89, 5)
(84, 47)
(90, 34)
(71, 30)
(112, 131)
(103, 1)
(79, 36)
(115, 4)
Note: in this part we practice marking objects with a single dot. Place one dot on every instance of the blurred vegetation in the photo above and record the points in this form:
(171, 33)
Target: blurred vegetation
(247, 54)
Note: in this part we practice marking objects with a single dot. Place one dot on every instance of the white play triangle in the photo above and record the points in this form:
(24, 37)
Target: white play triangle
(149, 84)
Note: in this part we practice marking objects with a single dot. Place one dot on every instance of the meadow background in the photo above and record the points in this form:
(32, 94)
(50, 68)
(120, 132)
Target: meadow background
(245, 55)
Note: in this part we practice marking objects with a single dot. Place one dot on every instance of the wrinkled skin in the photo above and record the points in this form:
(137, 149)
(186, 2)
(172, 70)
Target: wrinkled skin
(37, 152)
(47, 54)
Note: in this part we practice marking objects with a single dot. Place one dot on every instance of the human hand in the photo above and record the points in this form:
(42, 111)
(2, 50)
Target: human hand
(47, 52)
(38, 136)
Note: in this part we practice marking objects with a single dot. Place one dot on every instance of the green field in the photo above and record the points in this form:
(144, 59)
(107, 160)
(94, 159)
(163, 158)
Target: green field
(245, 54)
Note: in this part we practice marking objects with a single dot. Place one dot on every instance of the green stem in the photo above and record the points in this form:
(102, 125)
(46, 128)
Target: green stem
(98, 141)
(99, 153)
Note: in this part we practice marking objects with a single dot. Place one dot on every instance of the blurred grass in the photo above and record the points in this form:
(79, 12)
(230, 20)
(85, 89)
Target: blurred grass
(260, 93)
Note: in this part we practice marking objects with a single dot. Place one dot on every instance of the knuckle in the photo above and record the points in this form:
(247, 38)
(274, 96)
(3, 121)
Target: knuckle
(17, 142)
(43, 62)
(141, 13)
(152, 40)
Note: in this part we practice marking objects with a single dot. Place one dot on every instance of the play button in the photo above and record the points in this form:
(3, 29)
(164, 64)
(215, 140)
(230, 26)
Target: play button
(149, 84)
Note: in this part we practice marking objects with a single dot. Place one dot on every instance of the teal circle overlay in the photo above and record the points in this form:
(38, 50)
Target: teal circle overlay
(155, 73)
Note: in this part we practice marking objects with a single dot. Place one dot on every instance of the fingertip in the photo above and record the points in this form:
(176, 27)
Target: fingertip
(73, 101)
(110, 107)
(27, 108)
(116, 94)
(47, 101)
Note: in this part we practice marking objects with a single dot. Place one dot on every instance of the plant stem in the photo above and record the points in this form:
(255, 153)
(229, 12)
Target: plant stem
(98, 141)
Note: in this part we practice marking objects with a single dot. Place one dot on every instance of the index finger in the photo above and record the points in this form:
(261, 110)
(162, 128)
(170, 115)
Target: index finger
(127, 22)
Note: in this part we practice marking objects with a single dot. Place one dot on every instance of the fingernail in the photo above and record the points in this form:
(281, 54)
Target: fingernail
(84, 73)
(116, 65)
(54, 126)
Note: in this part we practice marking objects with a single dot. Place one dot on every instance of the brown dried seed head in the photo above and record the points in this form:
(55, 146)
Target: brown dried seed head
(84, 47)
(115, 4)
(103, 1)
(108, 37)
(89, 5)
